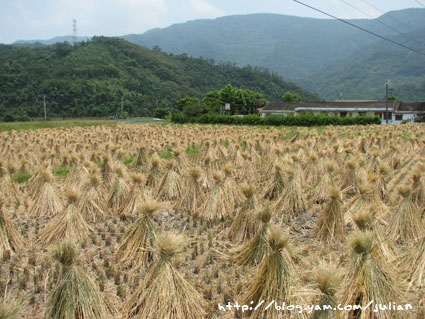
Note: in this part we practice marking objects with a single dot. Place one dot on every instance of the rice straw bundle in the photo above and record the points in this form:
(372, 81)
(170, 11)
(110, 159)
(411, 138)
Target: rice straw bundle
(141, 160)
(171, 186)
(92, 204)
(350, 181)
(365, 220)
(119, 191)
(245, 224)
(135, 197)
(107, 170)
(69, 224)
(323, 188)
(366, 197)
(9, 309)
(369, 278)
(154, 172)
(330, 225)
(273, 279)
(7, 187)
(75, 294)
(136, 246)
(327, 277)
(193, 197)
(229, 185)
(253, 251)
(405, 221)
(10, 240)
(46, 200)
(412, 262)
(164, 293)
(292, 202)
(217, 204)
(418, 188)
(275, 189)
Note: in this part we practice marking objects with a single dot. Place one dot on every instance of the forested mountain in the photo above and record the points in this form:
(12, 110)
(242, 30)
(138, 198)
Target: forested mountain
(91, 78)
(325, 55)
(367, 70)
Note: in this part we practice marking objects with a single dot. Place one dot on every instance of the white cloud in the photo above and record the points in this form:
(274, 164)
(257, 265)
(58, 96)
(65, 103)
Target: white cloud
(204, 9)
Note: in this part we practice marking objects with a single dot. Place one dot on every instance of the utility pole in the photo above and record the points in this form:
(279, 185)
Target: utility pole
(44, 105)
(122, 105)
(386, 101)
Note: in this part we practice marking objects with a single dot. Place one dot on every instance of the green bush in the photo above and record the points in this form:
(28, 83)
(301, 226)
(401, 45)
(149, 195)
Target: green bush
(307, 119)
(420, 119)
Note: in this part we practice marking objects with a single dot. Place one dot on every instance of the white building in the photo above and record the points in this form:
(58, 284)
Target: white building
(397, 111)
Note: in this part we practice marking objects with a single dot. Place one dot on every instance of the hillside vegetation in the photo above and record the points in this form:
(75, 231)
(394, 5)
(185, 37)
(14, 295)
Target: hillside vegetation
(91, 79)
(323, 55)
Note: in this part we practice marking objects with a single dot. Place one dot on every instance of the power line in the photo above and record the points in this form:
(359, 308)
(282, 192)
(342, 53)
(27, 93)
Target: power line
(360, 28)
(381, 22)
(417, 1)
(392, 17)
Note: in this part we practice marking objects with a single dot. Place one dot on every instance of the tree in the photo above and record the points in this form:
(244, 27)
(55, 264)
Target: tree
(161, 112)
(291, 97)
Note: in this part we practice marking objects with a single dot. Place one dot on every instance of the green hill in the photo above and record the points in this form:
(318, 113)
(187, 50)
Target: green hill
(325, 55)
(90, 79)
(364, 73)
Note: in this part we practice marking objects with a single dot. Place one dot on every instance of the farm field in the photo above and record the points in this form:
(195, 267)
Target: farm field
(171, 221)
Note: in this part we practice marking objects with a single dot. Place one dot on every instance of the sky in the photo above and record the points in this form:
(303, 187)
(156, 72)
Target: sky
(45, 19)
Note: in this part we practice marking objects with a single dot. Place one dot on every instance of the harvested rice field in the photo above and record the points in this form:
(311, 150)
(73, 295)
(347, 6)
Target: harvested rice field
(174, 222)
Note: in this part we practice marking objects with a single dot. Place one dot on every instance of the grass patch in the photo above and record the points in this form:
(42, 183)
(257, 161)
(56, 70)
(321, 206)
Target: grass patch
(168, 154)
(22, 126)
(405, 137)
(289, 135)
(128, 160)
(226, 143)
(320, 130)
(191, 150)
(21, 177)
(60, 171)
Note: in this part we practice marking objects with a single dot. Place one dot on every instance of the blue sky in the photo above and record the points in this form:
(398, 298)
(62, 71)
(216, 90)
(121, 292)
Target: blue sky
(44, 19)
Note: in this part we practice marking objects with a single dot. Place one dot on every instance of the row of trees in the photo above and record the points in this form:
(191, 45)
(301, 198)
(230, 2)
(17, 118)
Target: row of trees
(90, 78)
(241, 102)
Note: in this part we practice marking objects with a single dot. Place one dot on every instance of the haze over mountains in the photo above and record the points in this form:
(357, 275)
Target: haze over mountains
(323, 55)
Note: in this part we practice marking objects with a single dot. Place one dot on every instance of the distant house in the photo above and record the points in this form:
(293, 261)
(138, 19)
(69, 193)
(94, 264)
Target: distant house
(397, 111)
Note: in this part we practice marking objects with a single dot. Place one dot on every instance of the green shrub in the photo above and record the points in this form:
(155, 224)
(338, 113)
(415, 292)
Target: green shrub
(306, 119)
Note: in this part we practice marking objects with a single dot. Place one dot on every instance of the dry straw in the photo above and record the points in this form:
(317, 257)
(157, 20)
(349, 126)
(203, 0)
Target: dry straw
(405, 221)
(92, 204)
(170, 186)
(75, 294)
(193, 196)
(369, 278)
(245, 224)
(292, 202)
(164, 293)
(46, 200)
(330, 226)
(9, 309)
(10, 240)
(119, 190)
(253, 251)
(276, 186)
(136, 246)
(273, 278)
(135, 197)
(69, 224)
(217, 205)
(327, 278)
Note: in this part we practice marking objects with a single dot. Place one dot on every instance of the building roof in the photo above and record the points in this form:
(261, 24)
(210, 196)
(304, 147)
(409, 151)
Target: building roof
(412, 107)
(330, 106)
